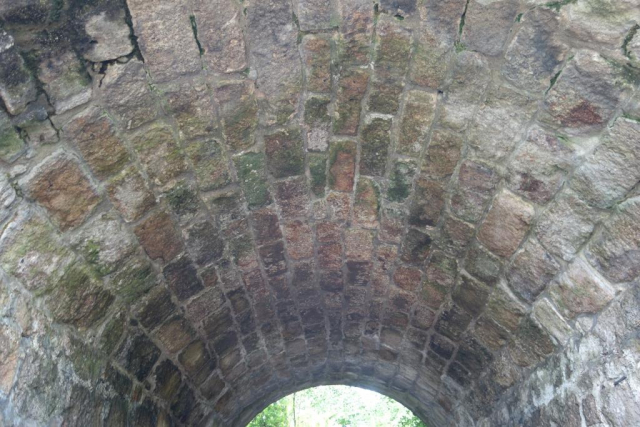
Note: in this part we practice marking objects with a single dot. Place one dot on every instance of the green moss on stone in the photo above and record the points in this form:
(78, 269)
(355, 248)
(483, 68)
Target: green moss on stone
(400, 181)
(375, 145)
(385, 97)
(134, 280)
(111, 334)
(252, 177)
(240, 124)
(11, 145)
(318, 171)
(316, 110)
(285, 153)
(183, 200)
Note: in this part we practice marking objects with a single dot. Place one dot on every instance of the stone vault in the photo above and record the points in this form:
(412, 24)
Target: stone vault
(210, 204)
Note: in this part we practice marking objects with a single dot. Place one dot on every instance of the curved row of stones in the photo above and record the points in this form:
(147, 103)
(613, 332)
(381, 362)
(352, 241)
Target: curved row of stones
(210, 204)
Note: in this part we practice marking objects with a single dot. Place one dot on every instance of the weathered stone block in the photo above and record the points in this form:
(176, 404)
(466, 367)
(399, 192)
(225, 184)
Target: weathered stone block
(239, 112)
(366, 204)
(536, 52)
(126, 94)
(65, 80)
(417, 117)
(219, 34)
(376, 139)
(473, 190)
(168, 380)
(401, 180)
(273, 258)
(299, 237)
(110, 34)
(487, 24)
(318, 173)
(165, 38)
(182, 278)
(160, 154)
(506, 224)
(531, 344)
(17, 85)
(155, 308)
(61, 186)
(210, 164)
(504, 309)
(470, 294)
(31, 251)
(585, 95)
(342, 164)
(547, 315)
(175, 334)
(416, 247)
(613, 169)
(453, 322)
(483, 265)
(540, 165)
(94, 135)
(317, 123)
(581, 290)
(78, 298)
(428, 202)
(566, 225)
(615, 251)
(133, 280)
(137, 354)
(351, 89)
(356, 30)
(455, 235)
(204, 242)
(532, 269)
(11, 145)
(316, 54)
(442, 154)
(158, 237)
(285, 154)
(252, 177)
(407, 278)
(104, 243)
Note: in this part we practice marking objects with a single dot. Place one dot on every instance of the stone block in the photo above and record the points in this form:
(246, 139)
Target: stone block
(203, 242)
(182, 278)
(416, 247)
(376, 140)
(318, 173)
(351, 89)
(442, 154)
(585, 95)
(532, 270)
(581, 290)
(453, 321)
(427, 202)
(536, 52)
(95, 137)
(110, 34)
(470, 294)
(285, 153)
(17, 85)
(65, 80)
(239, 112)
(299, 237)
(160, 154)
(316, 54)
(401, 180)
(251, 171)
(175, 334)
(317, 123)
(342, 164)
(158, 237)
(155, 308)
(219, 34)
(473, 190)
(506, 224)
(63, 189)
(137, 354)
(366, 204)
(614, 252)
(487, 24)
(612, 169)
(166, 38)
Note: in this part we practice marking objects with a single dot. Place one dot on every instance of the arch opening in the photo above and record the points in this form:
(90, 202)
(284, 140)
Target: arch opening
(336, 405)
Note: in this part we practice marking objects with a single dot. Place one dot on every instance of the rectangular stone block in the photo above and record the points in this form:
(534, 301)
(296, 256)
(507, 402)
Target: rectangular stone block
(506, 224)
(416, 120)
(285, 153)
(351, 89)
(376, 139)
(63, 189)
(239, 112)
(316, 54)
(342, 163)
(251, 171)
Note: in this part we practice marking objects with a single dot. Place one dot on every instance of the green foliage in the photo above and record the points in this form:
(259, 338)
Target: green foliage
(336, 406)
(274, 415)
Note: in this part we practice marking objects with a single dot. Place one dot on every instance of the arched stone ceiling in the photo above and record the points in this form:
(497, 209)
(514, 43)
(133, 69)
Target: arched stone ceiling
(209, 204)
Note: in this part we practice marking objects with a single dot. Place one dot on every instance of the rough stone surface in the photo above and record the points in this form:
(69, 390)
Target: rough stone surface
(208, 205)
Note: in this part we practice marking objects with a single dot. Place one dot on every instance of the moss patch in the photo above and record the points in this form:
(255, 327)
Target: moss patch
(318, 171)
(252, 176)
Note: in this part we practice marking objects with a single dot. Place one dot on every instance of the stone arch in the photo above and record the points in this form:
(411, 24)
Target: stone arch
(205, 201)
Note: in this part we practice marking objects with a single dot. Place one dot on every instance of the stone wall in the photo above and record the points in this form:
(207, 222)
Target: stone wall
(207, 205)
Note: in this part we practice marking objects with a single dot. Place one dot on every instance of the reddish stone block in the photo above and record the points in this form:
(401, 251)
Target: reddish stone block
(407, 278)
(342, 166)
(158, 237)
(299, 236)
(59, 185)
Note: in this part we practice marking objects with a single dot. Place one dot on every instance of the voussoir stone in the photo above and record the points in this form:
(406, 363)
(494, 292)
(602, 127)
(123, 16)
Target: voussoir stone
(506, 224)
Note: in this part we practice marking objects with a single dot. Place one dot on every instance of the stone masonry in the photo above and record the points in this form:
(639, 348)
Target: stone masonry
(208, 205)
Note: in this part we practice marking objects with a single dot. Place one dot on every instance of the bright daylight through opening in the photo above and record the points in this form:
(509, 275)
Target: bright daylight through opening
(336, 406)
